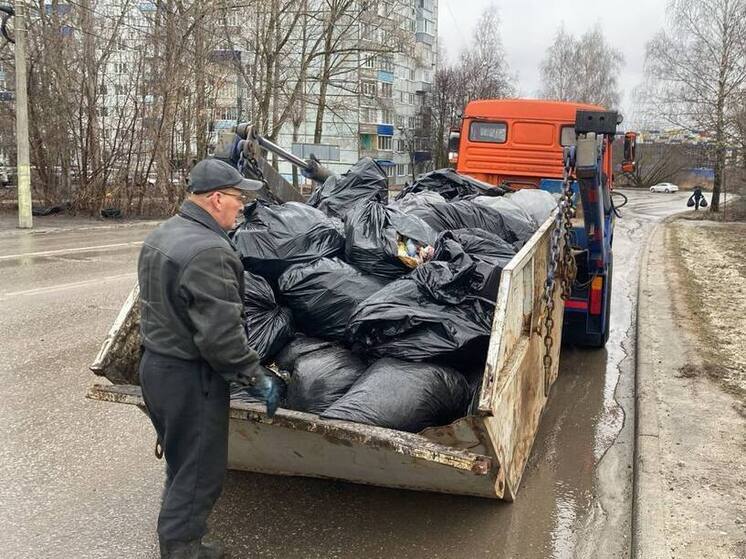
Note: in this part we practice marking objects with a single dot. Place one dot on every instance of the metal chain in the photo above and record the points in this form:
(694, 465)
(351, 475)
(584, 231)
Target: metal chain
(561, 231)
(569, 266)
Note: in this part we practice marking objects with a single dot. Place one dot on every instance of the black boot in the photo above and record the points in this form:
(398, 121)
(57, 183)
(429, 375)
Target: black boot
(181, 550)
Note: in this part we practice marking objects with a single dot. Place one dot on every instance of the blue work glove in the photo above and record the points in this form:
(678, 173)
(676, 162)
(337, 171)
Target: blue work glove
(263, 385)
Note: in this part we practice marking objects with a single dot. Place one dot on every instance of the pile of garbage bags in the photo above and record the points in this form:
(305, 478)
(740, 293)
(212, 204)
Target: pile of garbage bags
(451, 185)
(380, 313)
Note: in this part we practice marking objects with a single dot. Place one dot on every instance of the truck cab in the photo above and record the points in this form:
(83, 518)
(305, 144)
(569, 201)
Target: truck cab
(520, 143)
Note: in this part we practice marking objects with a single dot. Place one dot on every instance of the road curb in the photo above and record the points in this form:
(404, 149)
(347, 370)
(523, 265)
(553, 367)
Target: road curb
(648, 511)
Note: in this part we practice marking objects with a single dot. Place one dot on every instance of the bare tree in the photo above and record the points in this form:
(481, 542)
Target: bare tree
(481, 72)
(583, 69)
(697, 67)
(658, 163)
(484, 70)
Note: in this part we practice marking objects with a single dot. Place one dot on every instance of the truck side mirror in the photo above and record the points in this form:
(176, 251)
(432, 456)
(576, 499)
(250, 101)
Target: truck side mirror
(630, 144)
(454, 138)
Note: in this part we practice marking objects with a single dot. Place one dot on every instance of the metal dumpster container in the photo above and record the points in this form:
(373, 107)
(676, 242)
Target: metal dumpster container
(483, 454)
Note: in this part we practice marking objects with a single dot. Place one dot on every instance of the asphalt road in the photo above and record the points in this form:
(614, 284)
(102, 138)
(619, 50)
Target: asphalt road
(79, 479)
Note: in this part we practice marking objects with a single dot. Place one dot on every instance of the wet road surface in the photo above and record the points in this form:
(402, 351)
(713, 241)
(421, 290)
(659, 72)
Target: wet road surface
(79, 478)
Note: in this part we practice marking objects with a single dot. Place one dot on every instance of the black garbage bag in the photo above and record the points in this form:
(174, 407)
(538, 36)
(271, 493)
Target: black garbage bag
(112, 213)
(385, 242)
(489, 253)
(451, 185)
(419, 199)
(365, 181)
(324, 294)
(275, 237)
(703, 202)
(465, 214)
(404, 396)
(41, 211)
(300, 345)
(321, 377)
(269, 327)
(447, 282)
(517, 220)
(539, 204)
(690, 202)
(403, 321)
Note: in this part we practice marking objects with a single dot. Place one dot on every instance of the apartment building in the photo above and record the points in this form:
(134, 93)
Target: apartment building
(374, 99)
(385, 113)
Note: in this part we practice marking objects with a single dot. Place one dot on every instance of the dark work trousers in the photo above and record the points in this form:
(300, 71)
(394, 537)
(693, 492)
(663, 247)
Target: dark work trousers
(188, 404)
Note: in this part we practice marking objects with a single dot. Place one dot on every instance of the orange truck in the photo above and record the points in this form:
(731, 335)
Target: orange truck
(529, 143)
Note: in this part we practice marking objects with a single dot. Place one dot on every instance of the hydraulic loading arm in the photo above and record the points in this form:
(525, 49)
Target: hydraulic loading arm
(247, 150)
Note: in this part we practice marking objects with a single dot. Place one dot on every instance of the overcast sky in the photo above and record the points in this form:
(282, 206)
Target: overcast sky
(528, 27)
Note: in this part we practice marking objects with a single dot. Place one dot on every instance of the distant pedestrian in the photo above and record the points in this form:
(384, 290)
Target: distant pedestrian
(697, 199)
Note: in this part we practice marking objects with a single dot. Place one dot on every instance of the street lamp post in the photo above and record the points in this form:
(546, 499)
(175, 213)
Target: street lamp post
(23, 158)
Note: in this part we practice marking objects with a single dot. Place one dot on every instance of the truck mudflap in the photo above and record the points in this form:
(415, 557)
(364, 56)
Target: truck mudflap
(483, 454)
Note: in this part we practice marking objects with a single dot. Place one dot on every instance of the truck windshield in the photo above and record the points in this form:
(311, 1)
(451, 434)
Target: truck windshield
(495, 132)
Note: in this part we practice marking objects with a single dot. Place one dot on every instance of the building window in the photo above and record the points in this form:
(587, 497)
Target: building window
(412, 122)
(390, 170)
(410, 98)
(369, 62)
(386, 63)
(227, 113)
(368, 114)
(401, 145)
(387, 116)
(366, 141)
(368, 88)
(386, 90)
(384, 142)
(402, 169)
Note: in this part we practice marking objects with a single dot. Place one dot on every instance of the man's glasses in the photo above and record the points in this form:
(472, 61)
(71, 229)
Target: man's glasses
(243, 196)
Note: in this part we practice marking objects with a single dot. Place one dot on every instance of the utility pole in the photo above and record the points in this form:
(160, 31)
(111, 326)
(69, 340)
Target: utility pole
(25, 220)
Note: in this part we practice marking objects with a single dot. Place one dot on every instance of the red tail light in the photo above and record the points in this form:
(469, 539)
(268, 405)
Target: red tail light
(597, 293)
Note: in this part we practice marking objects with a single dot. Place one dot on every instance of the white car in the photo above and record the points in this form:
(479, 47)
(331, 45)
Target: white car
(664, 187)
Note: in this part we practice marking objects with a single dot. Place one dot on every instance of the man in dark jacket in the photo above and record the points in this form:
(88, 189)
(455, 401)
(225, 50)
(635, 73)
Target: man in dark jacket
(191, 282)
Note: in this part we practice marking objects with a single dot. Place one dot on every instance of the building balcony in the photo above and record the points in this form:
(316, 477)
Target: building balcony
(423, 37)
(423, 87)
(367, 128)
(385, 154)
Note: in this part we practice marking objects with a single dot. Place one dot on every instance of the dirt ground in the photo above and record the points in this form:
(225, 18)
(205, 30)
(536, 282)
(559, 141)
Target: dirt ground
(703, 401)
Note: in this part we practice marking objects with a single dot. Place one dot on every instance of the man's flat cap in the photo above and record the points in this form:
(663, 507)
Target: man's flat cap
(213, 174)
